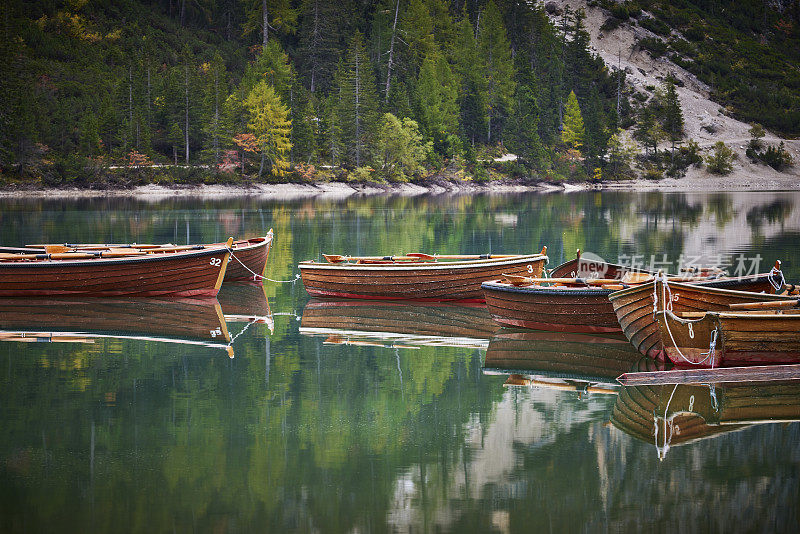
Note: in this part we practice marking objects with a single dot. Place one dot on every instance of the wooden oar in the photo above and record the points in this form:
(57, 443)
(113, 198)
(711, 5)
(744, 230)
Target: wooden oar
(433, 257)
(459, 257)
(98, 246)
(335, 258)
(520, 280)
(722, 374)
(767, 305)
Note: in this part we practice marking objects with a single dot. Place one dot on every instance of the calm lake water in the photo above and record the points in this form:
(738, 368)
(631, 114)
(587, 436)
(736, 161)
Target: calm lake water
(376, 418)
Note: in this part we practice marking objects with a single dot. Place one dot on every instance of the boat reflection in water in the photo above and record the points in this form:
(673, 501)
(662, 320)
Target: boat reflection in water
(398, 324)
(560, 360)
(183, 321)
(668, 415)
(246, 303)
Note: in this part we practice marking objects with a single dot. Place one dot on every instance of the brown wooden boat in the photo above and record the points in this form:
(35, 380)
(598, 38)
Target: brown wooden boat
(398, 323)
(248, 259)
(592, 359)
(114, 273)
(574, 298)
(246, 303)
(183, 320)
(770, 335)
(439, 278)
(671, 415)
(634, 307)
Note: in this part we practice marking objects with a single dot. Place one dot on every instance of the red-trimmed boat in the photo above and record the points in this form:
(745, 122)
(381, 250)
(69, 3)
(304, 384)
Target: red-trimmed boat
(248, 260)
(420, 277)
(115, 272)
(635, 307)
(576, 304)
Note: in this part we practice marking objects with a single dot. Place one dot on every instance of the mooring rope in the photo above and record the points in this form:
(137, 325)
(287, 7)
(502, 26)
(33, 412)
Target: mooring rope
(259, 277)
(775, 285)
(665, 290)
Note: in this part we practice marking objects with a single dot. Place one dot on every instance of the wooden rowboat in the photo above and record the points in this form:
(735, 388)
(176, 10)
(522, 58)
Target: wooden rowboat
(634, 307)
(398, 323)
(182, 273)
(392, 279)
(562, 302)
(182, 320)
(730, 338)
(248, 258)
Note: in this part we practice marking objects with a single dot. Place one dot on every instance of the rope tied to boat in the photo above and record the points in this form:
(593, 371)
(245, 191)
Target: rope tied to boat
(773, 275)
(665, 290)
(259, 277)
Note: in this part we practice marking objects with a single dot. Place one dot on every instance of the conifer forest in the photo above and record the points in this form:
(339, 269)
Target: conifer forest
(236, 91)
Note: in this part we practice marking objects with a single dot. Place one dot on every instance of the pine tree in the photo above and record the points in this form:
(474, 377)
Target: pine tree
(573, 131)
(522, 131)
(464, 54)
(318, 47)
(358, 102)
(672, 116)
(270, 123)
(437, 94)
(497, 67)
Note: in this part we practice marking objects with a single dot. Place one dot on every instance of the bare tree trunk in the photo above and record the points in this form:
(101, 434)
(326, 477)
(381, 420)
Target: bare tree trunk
(216, 115)
(358, 111)
(266, 22)
(391, 53)
(186, 122)
(315, 44)
(183, 12)
(130, 97)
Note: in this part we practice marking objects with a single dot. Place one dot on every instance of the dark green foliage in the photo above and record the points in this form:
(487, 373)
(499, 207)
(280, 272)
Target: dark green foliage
(776, 157)
(655, 25)
(654, 45)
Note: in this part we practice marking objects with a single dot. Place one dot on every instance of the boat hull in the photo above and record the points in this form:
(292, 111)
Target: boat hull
(556, 309)
(192, 273)
(445, 281)
(634, 307)
(739, 339)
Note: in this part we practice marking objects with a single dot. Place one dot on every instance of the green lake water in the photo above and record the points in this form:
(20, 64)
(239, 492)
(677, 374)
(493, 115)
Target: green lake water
(379, 418)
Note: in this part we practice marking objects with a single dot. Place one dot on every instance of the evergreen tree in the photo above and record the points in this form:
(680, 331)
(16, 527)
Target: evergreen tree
(648, 130)
(522, 136)
(573, 131)
(464, 54)
(358, 102)
(437, 95)
(318, 47)
(270, 124)
(672, 116)
(497, 67)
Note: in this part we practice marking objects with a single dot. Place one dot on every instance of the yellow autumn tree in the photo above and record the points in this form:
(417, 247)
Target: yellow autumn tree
(573, 131)
(271, 125)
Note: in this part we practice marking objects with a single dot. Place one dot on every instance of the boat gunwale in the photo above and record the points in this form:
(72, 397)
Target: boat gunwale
(704, 286)
(421, 266)
(537, 290)
(165, 256)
